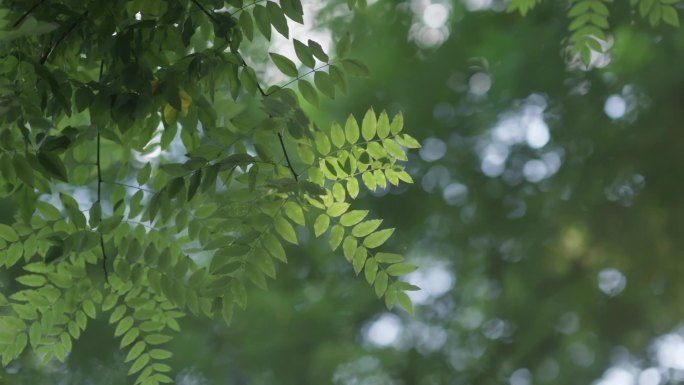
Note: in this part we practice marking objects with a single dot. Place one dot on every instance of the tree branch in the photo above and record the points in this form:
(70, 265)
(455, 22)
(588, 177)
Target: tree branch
(206, 11)
(59, 40)
(287, 158)
(27, 13)
(99, 188)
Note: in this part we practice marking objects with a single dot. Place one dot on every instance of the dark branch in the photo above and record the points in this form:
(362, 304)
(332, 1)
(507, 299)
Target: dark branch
(73, 26)
(99, 187)
(206, 11)
(287, 158)
(245, 6)
(27, 13)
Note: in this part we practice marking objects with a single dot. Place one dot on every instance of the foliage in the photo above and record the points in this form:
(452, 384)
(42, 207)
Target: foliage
(589, 20)
(98, 103)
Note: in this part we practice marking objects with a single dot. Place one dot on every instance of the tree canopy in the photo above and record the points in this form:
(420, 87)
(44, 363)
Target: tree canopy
(158, 156)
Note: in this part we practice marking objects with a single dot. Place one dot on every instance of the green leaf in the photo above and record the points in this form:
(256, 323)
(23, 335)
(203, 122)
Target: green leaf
(129, 337)
(381, 283)
(388, 257)
(89, 308)
(378, 238)
(353, 217)
(338, 208)
(144, 174)
(285, 229)
(304, 54)
(273, 246)
(317, 51)
(355, 68)
(399, 269)
(278, 19)
(247, 25)
(157, 339)
(7, 233)
(669, 15)
(371, 269)
(365, 228)
(359, 259)
(53, 165)
(394, 149)
(405, 302)
(32, 280)
(344, 46)
(295, 213)
(23, 169)
(160, 354)
(351, 130)
(408, 141)
(284, 64)
(336, 236)
(135, 351)
(321, 224)
(353, 187)
(349, 247)
(324, 83)
(308, 92)
(123, 326)
(139, 364)
(262, 20)
(337, 135)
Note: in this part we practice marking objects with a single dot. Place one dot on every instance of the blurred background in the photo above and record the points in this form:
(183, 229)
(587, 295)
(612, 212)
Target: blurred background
(546, 217)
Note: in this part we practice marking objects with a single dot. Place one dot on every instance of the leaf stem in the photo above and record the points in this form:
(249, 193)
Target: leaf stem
(204, 10)
(99, 187)
(287, 158)
(47, 53)
(27, 13)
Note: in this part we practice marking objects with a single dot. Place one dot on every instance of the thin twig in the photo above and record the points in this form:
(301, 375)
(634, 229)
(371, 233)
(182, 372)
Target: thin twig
(129, 185)
(298, 78)
(99, 188)
(25, 15)
(206, 12)
(47, 53)
(245, 6)
(287, 158)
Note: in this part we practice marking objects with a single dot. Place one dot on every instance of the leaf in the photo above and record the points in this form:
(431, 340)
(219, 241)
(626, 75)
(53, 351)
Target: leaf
(247, 25)
(32, 280)
(317, 51)
(351, 130)
(337, 135)
(284, 64)
(344, 46)
(376, 239)
(669, 15)
(135, 351)
(123, 326)
(321, 224)
(353, 217)
(157, 339)
(399, 269)
(388, 257)
(308, 92)
(129, 337)
(338, 208)
(394, 149)
(278, 19)
(53, 165)
(353, 187)
(160, 354)
(408, 141)
(304, 54)
(273, 246)
(23, 169)
(139, 363)
(295, 213)
(381, 283)
(285, 229)
(365, 228)
(7, 233)
(262, 20)
(336, 236)
(349, 247)
(359, 259)
(371, 269)
(405, 302)
(355, 68)
(324, 84)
